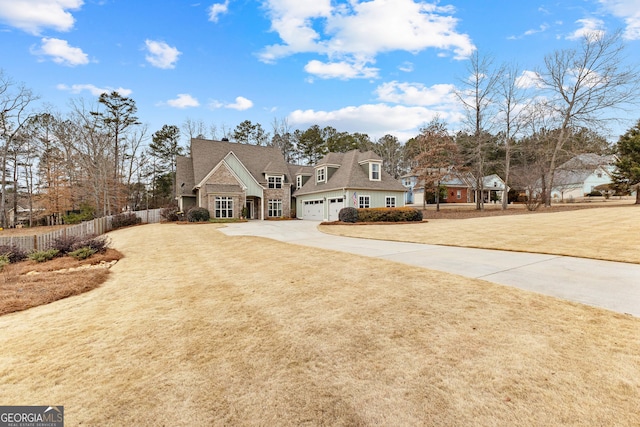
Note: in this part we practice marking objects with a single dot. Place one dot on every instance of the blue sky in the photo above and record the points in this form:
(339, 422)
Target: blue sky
(377, 66)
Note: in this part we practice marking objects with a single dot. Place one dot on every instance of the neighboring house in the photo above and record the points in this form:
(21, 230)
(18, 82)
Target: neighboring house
(352, 179)
(409, 181)
(492, 188)
(580, 176)
(459, 188)
(230, 179)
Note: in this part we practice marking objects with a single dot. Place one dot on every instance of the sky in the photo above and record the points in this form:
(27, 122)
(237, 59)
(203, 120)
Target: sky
(377, 66)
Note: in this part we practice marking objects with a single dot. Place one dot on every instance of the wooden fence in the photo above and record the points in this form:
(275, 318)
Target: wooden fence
(97, 226)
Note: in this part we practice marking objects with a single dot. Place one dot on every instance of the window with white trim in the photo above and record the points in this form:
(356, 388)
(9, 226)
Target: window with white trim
(363, 202)
(299, 181)
(275, 181)
(458, 194)
(320, 174)
(390, 201)
(275, 208)
(374, 171)
(224, 207)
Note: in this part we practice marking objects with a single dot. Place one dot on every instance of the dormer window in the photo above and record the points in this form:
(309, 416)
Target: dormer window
(299, 182)
(321, 175)
(275, 181)
(374, 171)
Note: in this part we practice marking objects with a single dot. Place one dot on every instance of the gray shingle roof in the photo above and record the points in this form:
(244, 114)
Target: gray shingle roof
(206, 154)
(350, 174)
(184, 176)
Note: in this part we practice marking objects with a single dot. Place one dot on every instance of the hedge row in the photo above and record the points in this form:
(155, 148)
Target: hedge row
(379, 215)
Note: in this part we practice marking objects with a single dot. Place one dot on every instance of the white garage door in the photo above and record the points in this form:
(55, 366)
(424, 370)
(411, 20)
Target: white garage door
(334, 208)
(314, 210)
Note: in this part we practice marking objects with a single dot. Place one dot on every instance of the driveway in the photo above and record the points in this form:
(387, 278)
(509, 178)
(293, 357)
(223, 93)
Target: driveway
(611, 285)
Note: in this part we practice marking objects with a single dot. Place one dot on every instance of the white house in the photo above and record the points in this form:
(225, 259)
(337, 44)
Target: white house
(580, 176)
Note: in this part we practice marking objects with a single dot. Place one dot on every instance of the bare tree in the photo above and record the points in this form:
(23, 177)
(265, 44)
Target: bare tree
(585, 86)
(478, 96)
(15, 99)
(513, 107)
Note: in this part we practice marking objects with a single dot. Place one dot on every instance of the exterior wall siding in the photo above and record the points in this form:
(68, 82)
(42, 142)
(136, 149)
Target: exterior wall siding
(253, 188)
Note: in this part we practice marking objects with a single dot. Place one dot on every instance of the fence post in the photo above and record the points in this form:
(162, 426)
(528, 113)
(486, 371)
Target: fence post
(35, 242)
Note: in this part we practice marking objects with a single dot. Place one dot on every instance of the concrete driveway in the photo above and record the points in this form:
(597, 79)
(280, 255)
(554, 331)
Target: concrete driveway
(611, 285)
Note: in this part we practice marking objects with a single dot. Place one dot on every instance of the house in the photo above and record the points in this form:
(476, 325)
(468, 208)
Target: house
(409, 181)
(233, 180)
(458, 188)
(351, 179)
(580, 176)
(492, 188)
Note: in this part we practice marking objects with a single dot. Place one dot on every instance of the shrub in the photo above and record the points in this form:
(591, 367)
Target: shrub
(65, 244)
(389, 215)
(125, 220)
(170, 213)
(98, 243)
(348, 215)
(42, 256)
(4, 261)
(82, 253)
(198, 215)
(13, 253)
(86, 213)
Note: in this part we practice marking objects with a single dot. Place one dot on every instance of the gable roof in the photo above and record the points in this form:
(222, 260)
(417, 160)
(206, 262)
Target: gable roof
(350, 174)
(588, 161)
(207, 154)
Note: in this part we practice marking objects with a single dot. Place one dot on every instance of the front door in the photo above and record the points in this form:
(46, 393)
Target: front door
(249, 206)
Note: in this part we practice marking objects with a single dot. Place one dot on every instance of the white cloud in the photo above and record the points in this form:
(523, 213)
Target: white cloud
(241, 104)
(94, 90)
(406, 66)
(627, 10)
(218, 9)
(378, 119)
(417, 94)
(340, 70)
(588, 27)
(360, 30)
(161, 55)
(61, 53)
(33, 16)
(184, 100)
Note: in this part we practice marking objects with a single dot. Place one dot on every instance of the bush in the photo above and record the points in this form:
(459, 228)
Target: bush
(13, 253)
(98, 243)
(170, 213)
(86, 213)
(125, 220)
(389, 215)
(198, 215)
(65, 244)
(42, 256)
(82, 253)
(4, 261)
(348, 215)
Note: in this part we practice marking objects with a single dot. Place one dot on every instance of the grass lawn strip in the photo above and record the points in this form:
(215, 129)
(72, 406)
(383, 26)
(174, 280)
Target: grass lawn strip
(197, 328)
(610, 234)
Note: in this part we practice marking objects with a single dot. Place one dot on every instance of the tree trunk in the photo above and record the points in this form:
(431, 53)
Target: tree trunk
(637, 194)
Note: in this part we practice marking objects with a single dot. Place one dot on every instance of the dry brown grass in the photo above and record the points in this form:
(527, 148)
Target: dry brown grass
(601, 233)
(20, 289)
(197, 328)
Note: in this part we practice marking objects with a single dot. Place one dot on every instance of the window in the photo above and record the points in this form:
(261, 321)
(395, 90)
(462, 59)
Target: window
(390, 201)
(299, 181)
(224, 207)
(275, 208)
(363, 202)
(459, 194)
(320, 175)
(275, 181)
(374, 171)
